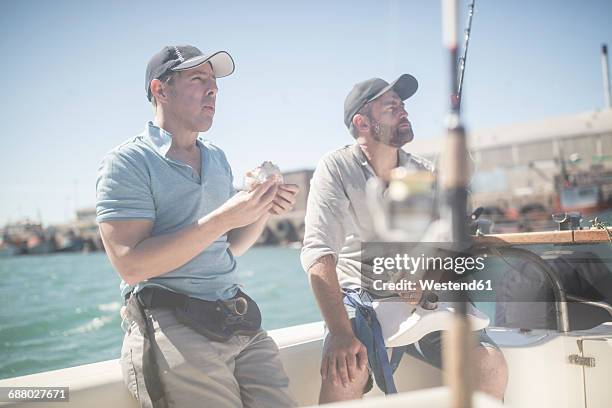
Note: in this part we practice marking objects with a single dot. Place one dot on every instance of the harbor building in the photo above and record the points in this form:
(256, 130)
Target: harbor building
(519, 165)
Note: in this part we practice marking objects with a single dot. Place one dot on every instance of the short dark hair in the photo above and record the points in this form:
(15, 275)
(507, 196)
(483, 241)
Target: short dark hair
(167, 79)
(366, 110)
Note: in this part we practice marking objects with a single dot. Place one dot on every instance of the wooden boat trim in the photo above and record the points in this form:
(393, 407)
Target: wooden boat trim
(590, 236)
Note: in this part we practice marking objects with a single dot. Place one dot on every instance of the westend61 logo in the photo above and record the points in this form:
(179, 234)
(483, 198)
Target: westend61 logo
(389, 269)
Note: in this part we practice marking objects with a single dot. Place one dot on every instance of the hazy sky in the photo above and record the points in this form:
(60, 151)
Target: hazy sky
(73, 77)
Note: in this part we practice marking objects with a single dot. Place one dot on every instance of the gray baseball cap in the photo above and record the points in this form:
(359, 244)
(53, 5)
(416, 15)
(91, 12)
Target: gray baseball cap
(182, 57)
(405, 86)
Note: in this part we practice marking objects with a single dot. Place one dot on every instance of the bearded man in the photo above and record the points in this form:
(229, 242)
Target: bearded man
(338, 221)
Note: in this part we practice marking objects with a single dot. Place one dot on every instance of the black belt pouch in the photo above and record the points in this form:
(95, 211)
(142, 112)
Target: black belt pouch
(217, 320)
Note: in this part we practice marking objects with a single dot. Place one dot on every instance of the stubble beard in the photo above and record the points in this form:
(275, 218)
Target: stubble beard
(393, 136)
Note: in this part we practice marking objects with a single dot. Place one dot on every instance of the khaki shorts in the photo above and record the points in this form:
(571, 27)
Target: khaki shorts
(195, 371)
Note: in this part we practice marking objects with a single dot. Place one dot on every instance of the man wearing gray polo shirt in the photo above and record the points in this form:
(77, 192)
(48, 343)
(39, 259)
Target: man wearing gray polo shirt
(338, 220)
(172, 223)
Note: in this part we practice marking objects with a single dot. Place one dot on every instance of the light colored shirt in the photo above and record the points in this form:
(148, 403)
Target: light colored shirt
(337, 216)
(137, 180)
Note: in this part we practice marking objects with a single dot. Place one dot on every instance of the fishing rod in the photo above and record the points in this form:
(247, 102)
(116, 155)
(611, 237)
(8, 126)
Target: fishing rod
(454, 179)
(466, 43)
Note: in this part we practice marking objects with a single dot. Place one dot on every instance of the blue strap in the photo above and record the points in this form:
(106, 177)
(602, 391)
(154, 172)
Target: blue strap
(396, 356)
(365, 314)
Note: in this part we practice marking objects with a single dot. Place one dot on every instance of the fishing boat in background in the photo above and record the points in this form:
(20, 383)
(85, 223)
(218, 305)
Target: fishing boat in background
(588, 192)
(69, 241)
(7, 248)
(27, 237)
(39, 244)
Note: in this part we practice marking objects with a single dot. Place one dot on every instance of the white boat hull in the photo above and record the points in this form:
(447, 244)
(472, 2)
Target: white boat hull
(540, 373)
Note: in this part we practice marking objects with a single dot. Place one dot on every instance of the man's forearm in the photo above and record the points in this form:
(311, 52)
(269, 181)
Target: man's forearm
(324, 283)
(156, 255)
(241, 239)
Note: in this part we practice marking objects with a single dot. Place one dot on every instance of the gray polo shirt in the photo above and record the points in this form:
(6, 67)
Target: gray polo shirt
(136, 180)
(337, 216)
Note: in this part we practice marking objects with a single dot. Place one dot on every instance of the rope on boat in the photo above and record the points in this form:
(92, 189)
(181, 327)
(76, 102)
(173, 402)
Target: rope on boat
(597, 224)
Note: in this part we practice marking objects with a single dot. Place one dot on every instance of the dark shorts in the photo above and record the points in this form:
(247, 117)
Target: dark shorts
(428, 349)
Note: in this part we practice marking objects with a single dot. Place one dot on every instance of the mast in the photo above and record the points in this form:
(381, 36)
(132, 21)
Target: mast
(606, 75)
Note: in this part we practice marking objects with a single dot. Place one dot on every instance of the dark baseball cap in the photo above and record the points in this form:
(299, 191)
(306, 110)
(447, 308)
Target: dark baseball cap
(182, 57)
(405, 86)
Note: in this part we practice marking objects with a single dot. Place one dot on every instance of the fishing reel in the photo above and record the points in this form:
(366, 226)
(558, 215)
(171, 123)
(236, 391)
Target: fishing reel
(404, 211)
(407, 210)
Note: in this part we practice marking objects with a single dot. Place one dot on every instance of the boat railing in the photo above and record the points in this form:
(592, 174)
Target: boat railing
(503, 245)
(601, 305)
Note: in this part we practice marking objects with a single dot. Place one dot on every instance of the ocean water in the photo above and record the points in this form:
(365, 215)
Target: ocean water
(62, 310)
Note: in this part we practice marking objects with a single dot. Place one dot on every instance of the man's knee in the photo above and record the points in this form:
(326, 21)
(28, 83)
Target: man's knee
(491, 371)
(334, 391)
(490, 359)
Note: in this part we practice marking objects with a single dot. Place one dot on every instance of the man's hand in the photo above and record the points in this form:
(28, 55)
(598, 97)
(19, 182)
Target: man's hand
(285, 199)
(245, 208)
(412, 296)
(344, 355)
